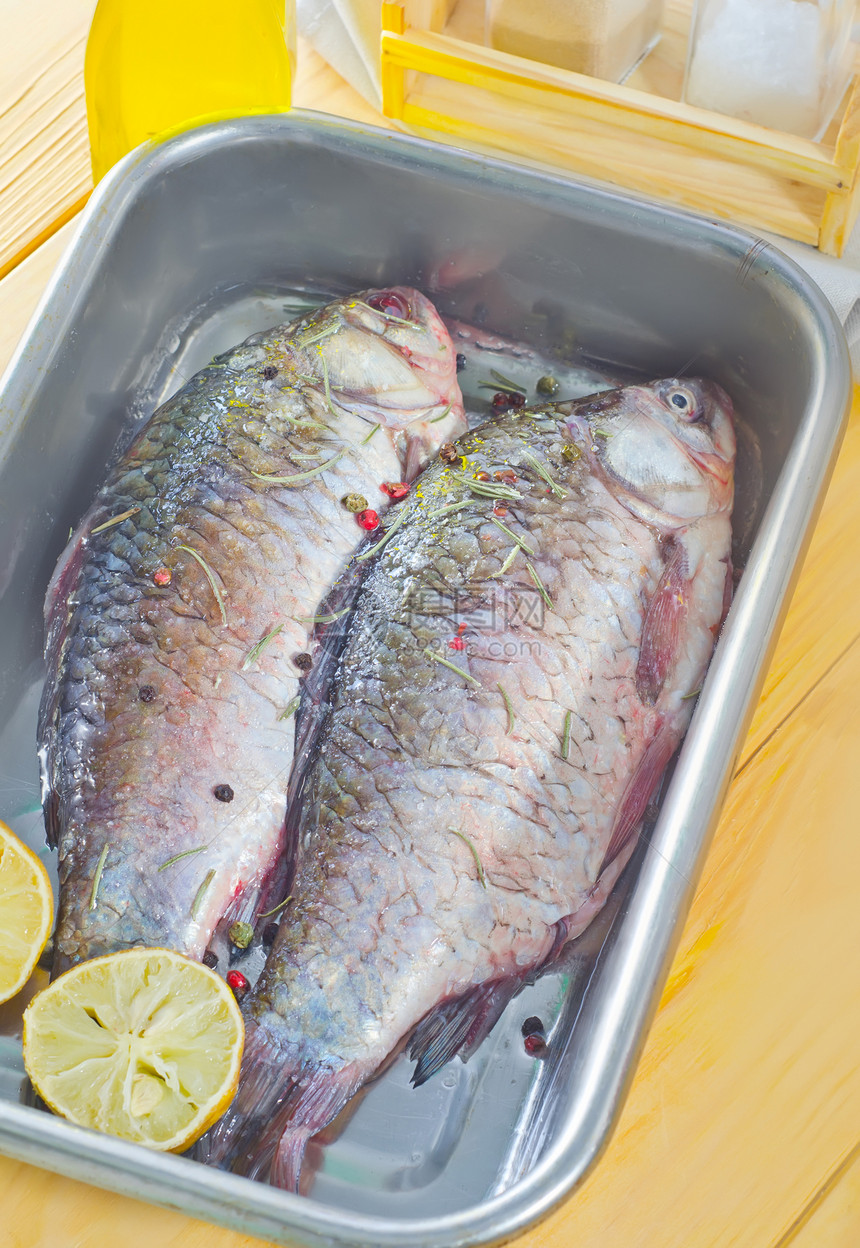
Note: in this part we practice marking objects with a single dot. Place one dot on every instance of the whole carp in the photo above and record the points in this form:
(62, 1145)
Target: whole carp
(517, 675)
(178, 621)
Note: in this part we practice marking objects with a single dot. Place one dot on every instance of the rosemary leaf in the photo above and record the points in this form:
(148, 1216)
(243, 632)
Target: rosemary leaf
(441, 416)
(97, 877)
(327, 330)
(509, 709)
(523, 545)
(300, 477)
(506, 381)
(388, 316)
(442, 511)
(290, 709)
(185, 854)
(108, 524)
(437, 658)
(539, 468)
(210, 578)
(256, 650)
(276, 908)
(506, 565)
(201, 892)
(540, 585)
(364, 441)
(466, 841)
(390, 531)
(565, 737)
(694, 694)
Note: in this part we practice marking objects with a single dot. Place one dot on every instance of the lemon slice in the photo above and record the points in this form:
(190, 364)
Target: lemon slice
(144, 1044)
(26, 912)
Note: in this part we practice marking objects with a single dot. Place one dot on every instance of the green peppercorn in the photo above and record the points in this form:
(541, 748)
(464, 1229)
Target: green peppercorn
(547, 385)
(354, 502)
(241, 935)
(571, 452)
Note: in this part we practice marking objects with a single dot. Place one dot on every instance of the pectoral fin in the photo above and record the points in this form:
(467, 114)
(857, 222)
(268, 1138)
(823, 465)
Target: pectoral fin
(663, 626)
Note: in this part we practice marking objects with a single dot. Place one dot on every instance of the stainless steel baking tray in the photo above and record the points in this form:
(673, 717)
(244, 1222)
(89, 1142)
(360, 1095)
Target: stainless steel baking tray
(186, 248)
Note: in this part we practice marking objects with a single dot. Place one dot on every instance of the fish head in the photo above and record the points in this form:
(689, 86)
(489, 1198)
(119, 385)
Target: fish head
(668, 446)
(391, 359)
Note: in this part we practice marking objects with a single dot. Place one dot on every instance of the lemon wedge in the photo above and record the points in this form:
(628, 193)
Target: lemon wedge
(26, 912)
(145, 1044)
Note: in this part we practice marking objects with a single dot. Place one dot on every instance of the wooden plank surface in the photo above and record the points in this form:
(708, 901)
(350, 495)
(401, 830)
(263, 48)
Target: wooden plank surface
(743, 1123)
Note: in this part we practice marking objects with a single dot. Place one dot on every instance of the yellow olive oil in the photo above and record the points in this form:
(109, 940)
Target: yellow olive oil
(155, 66)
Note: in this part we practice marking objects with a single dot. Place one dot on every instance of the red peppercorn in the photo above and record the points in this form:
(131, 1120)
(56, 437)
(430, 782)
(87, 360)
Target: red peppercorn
(162, 576)
(507, 475)
(457, 643)
(501, 400)
(368, 519)
(517, 400)
(237, 981)
(395, 489)
(482, 476)
(500, 510)
(535, 1044)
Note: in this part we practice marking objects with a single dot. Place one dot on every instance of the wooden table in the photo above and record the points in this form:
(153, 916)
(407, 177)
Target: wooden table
(742, 1127)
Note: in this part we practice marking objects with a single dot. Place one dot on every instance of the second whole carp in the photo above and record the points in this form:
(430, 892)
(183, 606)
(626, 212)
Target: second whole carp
(518, 671)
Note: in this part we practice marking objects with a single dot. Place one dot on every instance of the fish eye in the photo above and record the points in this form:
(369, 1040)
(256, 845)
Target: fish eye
(390, 302)
(683, 401)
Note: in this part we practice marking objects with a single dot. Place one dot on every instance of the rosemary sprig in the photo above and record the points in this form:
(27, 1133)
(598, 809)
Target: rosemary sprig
(290, 709)
(390, 531)
(565, 737)
(540, 585)
(509, 709)
(97, 877)
(539, 468)
(364, 441)
(299, 477)
(201, 892)
(523, 545)
(694, 694)
(437, 658)
(466, 841)
(441, 416)
(506, 565)
(256, 650)
(276, 908)
(108, 524)
(210, 578)
(486, 489)
(185, 854)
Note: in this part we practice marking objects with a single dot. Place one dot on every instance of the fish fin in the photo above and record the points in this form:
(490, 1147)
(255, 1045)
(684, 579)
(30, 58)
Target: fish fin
(282, 1101)
(458, 1026)
(662, 627)
(640, 788)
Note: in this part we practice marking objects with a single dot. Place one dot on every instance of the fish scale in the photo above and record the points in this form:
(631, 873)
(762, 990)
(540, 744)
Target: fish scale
(151, 707)
(422, 789)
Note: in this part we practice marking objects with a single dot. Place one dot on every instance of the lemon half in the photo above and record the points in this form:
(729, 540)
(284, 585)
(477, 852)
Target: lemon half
(26, 912)
(144, 1044)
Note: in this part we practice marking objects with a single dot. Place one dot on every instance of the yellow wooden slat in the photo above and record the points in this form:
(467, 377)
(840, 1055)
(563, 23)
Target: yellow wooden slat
(576, 95)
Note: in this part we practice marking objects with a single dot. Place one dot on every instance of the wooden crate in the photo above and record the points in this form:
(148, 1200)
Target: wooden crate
(437, 76)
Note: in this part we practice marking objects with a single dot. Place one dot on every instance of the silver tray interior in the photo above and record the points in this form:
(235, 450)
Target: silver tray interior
(188, 247)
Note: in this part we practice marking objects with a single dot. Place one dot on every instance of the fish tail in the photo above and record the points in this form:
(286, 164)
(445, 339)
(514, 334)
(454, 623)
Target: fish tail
(284, 1098)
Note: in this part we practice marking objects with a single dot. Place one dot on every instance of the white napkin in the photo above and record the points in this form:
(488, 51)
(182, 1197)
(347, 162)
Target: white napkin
(346, 33)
